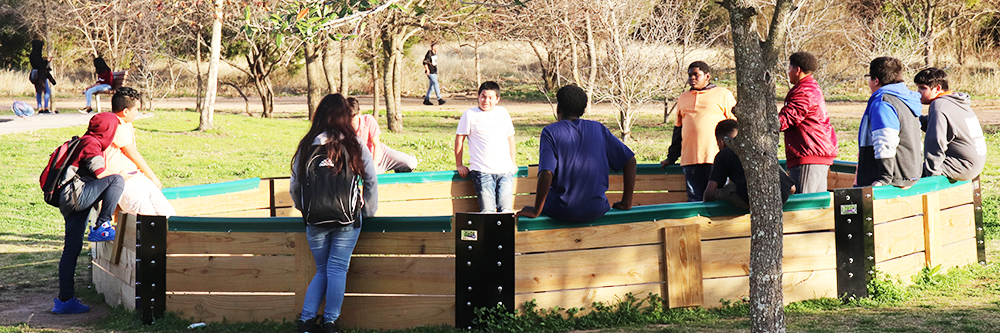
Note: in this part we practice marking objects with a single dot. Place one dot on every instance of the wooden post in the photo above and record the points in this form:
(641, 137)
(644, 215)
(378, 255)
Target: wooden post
(305, 268)
(932, 244)
(682, 246)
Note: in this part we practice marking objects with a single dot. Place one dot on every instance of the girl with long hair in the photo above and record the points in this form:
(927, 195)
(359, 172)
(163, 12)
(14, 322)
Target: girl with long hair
(332, 246)
(105, 81)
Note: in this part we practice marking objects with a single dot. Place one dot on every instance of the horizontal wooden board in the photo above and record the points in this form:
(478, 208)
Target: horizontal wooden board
(801, 252)
(232, 274)
(421, 191)
(291, 212)
(646, 199)
(660, 182)
(401, 275)
(116, 281)
(588, 268)
(896, 208)
(585, 298)
(264, 243)
(794, 222)
(835, 180)
(904, 267)
(796, 286)
(233, 308)
(405, 243)
(957, 223)
(898, 238)
(397, 312)
(958, 254)
(235, 201)
(956, 196)
(718, 227)
(261, 212)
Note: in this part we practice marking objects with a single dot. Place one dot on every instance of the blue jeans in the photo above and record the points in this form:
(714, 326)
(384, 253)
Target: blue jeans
(696, 176)
(45, 93)
(433, 86)
(331, 248)
(106, 190)
(495, 191)
(90, 92)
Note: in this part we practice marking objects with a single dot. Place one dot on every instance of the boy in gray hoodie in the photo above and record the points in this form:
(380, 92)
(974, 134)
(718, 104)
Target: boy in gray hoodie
(954, 145)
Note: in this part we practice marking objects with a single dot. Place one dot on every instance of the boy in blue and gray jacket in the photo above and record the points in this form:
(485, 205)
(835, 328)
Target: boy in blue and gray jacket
(889, 147)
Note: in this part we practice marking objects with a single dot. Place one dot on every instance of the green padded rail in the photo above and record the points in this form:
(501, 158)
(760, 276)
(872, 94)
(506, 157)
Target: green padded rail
(295, 224)
(211, 189)
(673, 211)
(924, 185)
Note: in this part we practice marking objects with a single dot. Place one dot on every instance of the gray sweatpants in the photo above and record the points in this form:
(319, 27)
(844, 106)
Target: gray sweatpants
(809, 178)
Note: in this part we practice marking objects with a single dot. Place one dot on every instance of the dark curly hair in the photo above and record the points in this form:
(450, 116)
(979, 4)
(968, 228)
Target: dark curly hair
(932, 77)
(804, 61)
(887, 70)
(125, 97)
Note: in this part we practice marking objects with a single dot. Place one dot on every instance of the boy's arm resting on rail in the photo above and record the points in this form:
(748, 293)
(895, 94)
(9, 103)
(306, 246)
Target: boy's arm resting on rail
(674, 152)
(710, 191)
(459, 165)
(542, 191)
(133, 154)
(628, 187)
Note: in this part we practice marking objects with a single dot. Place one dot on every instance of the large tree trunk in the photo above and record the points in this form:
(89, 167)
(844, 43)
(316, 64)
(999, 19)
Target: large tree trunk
(199, 96)
(392, 45)
(208, 109)
(314, 77)
(756, 145)
(327, 67)
(592, 57)
(343, 75)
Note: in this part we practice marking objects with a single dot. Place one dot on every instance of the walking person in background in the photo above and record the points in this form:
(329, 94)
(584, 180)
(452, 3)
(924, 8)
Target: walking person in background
(431, 70)
(105, 78)
(810, 141)
(368, 131)
(331, 241)
(41, 76)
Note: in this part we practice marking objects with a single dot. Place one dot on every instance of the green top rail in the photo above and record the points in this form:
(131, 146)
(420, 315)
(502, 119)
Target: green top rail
(443, 223)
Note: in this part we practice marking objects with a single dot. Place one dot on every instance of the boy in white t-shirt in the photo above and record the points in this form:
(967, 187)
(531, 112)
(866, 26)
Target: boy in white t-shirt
(492, 154)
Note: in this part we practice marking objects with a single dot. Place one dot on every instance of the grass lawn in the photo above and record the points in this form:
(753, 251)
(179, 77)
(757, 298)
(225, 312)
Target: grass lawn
(242, 147)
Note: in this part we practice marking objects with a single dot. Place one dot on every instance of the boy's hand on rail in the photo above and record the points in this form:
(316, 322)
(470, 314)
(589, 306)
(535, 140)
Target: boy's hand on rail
(621, 206)
(462, 170)
(527, 211)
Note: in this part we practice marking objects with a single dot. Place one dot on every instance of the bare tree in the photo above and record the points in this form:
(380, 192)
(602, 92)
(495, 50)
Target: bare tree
(261, 52)
(207, 118)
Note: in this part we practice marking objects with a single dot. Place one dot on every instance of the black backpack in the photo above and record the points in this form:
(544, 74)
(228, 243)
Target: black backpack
(328, 197)
(54, 176)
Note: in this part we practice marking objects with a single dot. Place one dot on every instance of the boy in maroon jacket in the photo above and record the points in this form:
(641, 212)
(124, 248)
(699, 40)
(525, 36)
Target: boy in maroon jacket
(810, 141)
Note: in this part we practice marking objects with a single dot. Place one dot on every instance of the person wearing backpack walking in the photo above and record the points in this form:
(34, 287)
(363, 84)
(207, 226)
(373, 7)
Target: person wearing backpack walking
(330, 161)
(89, 183)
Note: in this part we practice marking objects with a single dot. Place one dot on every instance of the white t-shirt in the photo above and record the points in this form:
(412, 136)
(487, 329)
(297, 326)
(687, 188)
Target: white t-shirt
(488, 131)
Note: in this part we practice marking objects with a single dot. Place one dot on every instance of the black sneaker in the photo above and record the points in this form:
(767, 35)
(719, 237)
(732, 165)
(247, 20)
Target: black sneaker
(427, 101)
(307, 326)
(331, 327)
(440, 101)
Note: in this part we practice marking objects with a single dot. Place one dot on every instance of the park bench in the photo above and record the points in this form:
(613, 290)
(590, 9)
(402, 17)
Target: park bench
(119, 80)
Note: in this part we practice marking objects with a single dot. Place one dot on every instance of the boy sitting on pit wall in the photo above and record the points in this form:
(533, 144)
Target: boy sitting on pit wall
(728, 166)
(492, 154)
(142, 194)
(573, 161)
(954, 145)
(889, 135)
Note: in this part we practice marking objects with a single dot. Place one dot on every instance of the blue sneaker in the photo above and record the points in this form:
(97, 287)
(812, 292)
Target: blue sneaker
(71, 306)
(104, 233)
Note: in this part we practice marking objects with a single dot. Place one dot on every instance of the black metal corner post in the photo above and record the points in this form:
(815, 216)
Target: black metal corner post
(977, 198)
(151, 267)
(484, 264)
(855, 239)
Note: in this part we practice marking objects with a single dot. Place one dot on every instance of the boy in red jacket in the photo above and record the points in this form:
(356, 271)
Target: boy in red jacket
(810, 141)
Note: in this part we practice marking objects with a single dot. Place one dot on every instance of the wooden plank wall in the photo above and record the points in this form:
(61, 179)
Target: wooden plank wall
(114, 276)
(926, 230)
(396, 280)
(577, 266)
